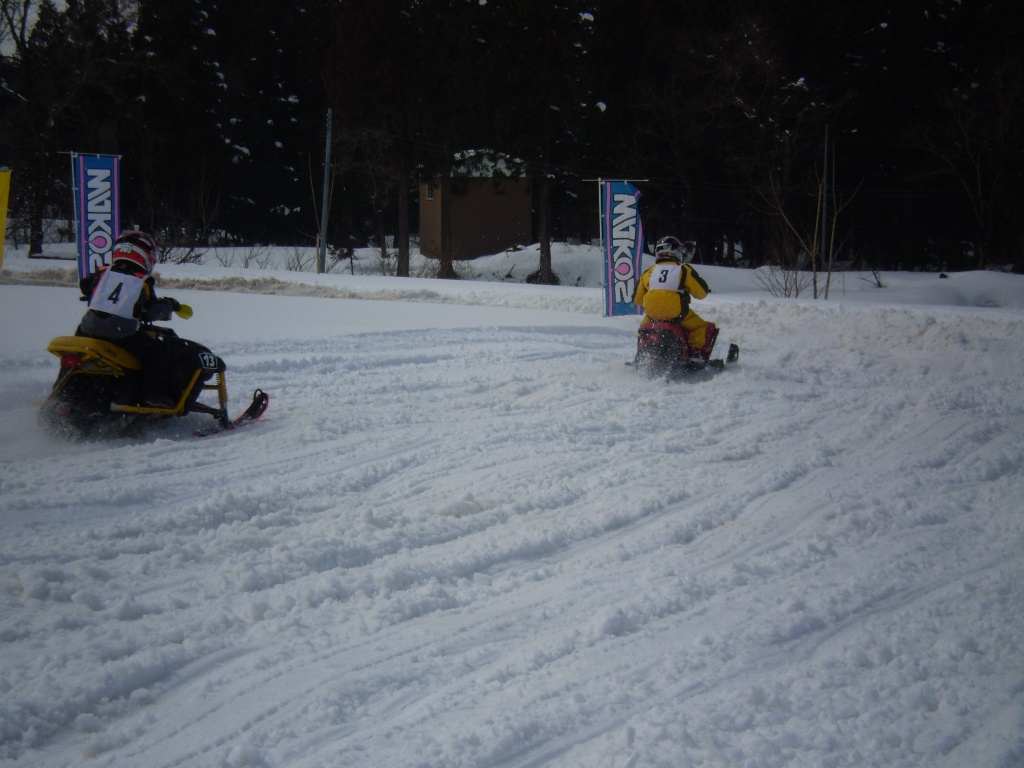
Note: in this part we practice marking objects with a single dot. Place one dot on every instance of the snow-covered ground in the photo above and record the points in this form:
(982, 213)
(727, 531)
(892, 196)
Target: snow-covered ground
(466, 535)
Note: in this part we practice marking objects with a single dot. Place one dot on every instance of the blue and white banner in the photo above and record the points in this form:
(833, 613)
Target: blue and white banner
(96, 180)
(623, 236)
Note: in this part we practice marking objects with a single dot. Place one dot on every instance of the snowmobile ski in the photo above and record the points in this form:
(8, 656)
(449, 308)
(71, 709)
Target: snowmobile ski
(256, 409)
(694, 367)
(732, 356)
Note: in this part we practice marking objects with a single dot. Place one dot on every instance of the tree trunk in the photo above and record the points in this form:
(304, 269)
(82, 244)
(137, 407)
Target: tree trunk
(544, 275)
(402, 267)
(38, 206)
(446, 270)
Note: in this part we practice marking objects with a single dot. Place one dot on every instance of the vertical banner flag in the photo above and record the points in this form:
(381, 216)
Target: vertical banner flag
(5, 195)
(96, 180)
(623, 235)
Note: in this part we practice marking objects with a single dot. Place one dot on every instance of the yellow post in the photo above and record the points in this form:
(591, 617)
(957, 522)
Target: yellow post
(5, 191)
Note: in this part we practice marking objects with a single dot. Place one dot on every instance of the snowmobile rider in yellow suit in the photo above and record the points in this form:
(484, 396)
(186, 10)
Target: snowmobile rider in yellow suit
(664, 291)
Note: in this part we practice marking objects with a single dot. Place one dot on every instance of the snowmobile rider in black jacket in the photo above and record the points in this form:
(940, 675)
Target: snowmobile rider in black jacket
(664, 291)
(121, 298)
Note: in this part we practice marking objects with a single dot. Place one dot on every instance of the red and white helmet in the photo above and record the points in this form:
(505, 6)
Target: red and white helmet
(137, 248)
(669, 249)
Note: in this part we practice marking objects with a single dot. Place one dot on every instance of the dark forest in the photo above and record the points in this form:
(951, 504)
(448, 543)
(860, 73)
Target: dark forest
(883, 135)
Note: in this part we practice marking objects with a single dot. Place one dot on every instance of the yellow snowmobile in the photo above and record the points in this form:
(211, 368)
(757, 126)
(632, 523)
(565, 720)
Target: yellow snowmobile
(98, 388)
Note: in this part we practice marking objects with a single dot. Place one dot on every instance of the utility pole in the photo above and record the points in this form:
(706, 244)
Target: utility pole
(321, 256)
(823, 200)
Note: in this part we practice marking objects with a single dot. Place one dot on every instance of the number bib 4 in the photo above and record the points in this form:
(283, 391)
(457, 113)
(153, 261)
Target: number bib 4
(116, 293)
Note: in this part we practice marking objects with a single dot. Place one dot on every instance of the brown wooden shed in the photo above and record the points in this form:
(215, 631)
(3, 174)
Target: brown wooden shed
(488, 215)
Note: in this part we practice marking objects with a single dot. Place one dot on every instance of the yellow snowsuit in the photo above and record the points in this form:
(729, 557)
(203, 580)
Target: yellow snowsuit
(664, 292)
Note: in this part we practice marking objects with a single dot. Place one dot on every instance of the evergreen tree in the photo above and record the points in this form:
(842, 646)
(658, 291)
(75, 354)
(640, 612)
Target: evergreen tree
(229, 112)
(418, 79)
(539, 56)
(62, 92)
(368, 73)
(174, 153)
